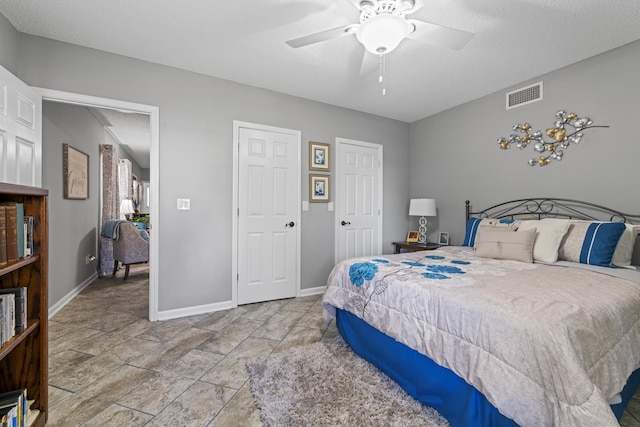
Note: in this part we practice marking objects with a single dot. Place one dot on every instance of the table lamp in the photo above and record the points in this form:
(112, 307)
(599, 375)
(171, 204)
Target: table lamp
(422, 208)
(126, 208)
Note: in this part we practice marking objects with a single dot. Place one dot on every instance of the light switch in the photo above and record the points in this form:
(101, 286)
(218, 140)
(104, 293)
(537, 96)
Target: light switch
(305, 205)
(330, 206)
(184, 204)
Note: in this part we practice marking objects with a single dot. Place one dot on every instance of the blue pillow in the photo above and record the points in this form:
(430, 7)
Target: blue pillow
(474, 223)
(472, 229)
(600, 243)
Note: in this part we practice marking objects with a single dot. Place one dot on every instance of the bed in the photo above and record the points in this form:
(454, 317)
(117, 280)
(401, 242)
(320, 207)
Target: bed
(487, 337)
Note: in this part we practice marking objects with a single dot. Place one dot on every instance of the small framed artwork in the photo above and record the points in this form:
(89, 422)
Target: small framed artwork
(412, 237)
(444, 239)
(319, 156)
(75, 173)
(319, 188)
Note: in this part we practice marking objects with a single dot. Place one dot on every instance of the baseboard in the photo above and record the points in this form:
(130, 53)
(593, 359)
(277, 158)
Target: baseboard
(311, 291)
(219, 306)
(172, 314)
(71, 295)
(192, 311)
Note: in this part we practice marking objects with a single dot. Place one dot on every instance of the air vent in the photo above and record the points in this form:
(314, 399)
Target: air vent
(524, 96)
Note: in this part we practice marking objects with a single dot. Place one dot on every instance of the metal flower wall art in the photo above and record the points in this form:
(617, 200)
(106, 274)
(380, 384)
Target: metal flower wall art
(567, 129)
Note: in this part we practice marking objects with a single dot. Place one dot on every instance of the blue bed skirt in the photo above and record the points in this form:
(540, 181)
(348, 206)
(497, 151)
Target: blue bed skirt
(460, 403)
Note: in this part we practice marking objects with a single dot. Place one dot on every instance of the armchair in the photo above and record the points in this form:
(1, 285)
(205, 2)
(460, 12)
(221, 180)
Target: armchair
(129, 248)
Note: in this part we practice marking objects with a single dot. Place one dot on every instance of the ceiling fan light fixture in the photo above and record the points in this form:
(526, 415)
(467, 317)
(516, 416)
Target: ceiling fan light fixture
(383, 33)
(406, 5)
(351, 29)
(368, 6)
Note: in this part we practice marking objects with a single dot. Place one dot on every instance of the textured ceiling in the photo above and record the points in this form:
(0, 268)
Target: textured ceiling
(244, 41)
(131, 130)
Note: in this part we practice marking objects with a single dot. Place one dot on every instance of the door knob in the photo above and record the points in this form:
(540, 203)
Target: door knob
(345, 223)
(291, 224)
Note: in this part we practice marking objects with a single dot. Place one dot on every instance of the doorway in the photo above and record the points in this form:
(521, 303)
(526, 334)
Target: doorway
(154, 114)
(266, 213)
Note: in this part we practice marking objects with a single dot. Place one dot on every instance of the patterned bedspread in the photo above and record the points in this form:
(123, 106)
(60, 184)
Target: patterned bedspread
(547, 345)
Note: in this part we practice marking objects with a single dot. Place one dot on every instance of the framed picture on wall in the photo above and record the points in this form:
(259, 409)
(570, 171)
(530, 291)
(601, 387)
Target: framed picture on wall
(444, 238)
(75, 173)
(319, 189)
(319, 156)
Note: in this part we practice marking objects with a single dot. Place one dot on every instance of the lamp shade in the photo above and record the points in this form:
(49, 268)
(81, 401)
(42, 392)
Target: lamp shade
(422, 207)
(126, 207)
(383, 33)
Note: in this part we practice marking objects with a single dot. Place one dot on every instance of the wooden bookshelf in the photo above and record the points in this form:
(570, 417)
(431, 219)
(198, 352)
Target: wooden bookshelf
(23, 359)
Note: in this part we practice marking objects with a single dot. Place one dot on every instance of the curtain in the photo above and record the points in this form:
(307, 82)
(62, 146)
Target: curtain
(110, 205)
(125, 181)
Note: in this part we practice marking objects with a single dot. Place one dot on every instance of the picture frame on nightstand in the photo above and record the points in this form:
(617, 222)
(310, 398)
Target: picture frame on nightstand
(413, 236)
(443, 240)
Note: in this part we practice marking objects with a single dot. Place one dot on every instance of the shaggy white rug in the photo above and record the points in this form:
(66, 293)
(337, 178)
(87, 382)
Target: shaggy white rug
(327, 384)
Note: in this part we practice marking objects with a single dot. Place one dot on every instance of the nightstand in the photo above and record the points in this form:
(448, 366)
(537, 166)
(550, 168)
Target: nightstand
(414, 247)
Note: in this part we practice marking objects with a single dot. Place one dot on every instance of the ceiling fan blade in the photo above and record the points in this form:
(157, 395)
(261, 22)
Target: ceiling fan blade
(439, 35)
(321, 36)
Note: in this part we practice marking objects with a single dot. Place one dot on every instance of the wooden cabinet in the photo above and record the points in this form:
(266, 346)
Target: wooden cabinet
(23, 359)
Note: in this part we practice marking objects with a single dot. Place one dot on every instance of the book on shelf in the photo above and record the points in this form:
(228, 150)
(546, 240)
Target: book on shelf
(13, 408)
(11, 218)
(20, 310)
(1, 323)
(9, 416)
(14, 215)
(3, 236)
(8, 316)
(28, 235)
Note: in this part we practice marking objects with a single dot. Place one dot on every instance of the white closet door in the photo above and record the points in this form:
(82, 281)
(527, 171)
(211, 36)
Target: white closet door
(359, 199)
(268, 212)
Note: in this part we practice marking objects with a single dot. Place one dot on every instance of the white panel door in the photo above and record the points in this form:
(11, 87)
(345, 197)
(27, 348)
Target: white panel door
(20, 132)
(268, 201)
(359, 199)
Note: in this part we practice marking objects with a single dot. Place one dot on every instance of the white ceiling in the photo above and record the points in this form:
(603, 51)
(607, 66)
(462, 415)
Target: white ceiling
(244, 41)
(131, 130)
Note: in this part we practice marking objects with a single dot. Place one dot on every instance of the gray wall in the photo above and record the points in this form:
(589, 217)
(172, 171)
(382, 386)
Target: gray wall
(145, 174)
(73, 224)
(454, 155)
(451, 156)
(196, 116)
(8, 45)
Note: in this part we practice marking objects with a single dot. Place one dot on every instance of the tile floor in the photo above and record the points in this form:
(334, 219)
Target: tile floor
(110, 366)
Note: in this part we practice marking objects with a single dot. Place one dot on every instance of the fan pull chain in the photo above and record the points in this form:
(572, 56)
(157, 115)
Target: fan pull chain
(382, 74)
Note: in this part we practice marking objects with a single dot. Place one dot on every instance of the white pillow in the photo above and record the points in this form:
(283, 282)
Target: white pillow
(490, 227)
(549, 234)
(624, 249)
(514, 245)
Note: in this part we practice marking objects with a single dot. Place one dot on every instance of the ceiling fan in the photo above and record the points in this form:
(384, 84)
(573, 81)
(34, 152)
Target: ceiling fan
(383, 25)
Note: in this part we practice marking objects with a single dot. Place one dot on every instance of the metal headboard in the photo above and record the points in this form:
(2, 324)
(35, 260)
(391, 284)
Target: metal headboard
(545, 207)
